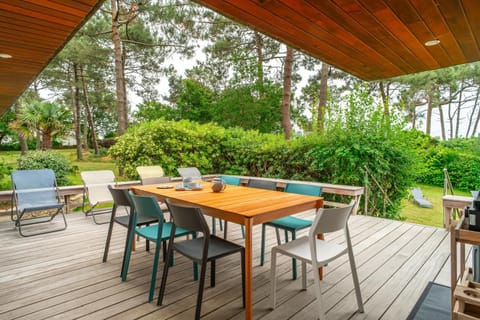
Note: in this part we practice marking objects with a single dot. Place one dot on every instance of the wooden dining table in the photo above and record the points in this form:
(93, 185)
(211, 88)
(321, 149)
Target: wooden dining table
(238, 204)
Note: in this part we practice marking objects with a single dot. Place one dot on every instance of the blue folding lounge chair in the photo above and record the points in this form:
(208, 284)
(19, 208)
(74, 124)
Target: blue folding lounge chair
(35, 191)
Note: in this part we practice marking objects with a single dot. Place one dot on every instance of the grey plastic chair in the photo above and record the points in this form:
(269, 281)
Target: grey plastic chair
(207, 248)
(35, 191)
(121, 199)
(319, 253)
(262, 184)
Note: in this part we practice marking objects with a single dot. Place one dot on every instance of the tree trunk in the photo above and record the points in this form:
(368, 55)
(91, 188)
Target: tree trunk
(385, 97)
(429, 114)
(478, 114)
(322, 97)
(89, 113)
(459, 107)
(47, 140)
(260, 75)
(287, 91)
(442, 122)
(21, 135)
(76, 113)
(119, 72)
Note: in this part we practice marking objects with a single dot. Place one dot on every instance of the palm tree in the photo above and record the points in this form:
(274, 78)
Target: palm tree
(46, 118)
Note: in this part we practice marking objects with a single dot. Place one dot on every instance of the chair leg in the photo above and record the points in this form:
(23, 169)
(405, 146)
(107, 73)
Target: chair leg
(294, 261)
(262, 249)
(201, 285)
(225, 228)
(318, 293)
(109, 234)
(128, 252)
(304, 275)
(154, 272)
(273, 279)
(212, 273)
(214, 225)
(356, 283)
(243, 231)
(166, 265)
(277, 233)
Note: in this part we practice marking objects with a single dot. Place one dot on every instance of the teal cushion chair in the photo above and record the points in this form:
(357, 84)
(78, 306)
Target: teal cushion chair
(147, 206)
(290, 224)
(233, 181)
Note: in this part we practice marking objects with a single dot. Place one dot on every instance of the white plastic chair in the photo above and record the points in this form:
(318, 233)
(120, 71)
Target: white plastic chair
(96, 192)
(319, 253)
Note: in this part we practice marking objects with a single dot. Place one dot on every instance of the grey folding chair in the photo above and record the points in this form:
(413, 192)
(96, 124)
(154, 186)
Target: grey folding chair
(207, 248)
(96, 193)
(35, 191)
(319, 253)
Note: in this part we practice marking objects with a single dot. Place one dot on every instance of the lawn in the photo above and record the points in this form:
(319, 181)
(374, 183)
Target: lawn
(90, 162)
(410, 211)
(427, 216)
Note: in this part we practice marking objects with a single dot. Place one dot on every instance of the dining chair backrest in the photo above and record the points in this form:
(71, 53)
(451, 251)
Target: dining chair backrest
(191, 172)
(190, 218)
(233, 181)
(305, 189)
(155, 180)
(146, 206)
(34, 186)
(120, 196)
(262, 184)
(331, 219)
(149, 172)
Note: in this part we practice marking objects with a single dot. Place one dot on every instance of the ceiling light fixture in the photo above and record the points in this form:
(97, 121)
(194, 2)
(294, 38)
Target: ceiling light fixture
(5, 56)
(431, 43)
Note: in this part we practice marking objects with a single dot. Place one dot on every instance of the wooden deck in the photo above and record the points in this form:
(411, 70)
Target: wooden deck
(61, 275)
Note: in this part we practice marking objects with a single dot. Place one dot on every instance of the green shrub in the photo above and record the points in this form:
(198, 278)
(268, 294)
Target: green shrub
(47, 160)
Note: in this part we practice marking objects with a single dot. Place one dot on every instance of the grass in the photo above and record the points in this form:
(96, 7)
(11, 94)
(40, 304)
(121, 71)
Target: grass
(410, 211)
(427, 216)
(90, 162)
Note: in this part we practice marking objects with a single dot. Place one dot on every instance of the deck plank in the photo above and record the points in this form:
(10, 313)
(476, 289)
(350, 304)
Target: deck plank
(61, 275)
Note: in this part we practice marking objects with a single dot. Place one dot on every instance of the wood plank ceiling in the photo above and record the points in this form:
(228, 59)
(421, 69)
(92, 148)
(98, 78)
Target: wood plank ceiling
(372, 39)
(32, 32)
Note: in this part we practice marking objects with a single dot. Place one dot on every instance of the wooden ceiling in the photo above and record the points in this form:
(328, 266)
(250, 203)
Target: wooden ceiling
(371, 39)
(32, 32)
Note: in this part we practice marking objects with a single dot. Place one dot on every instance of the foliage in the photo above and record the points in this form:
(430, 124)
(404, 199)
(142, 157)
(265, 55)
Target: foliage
(47, 160)
(338, 157)
(363, 141)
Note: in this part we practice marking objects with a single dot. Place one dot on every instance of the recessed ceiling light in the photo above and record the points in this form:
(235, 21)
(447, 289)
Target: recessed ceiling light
(431, 43)
(5, 56)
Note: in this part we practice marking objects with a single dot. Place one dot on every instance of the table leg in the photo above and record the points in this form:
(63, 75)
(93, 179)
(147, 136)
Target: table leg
(453, 264)
(248, 269)
(447, 217)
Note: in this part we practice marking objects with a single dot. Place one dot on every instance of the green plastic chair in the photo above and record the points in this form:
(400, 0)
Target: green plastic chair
(290, 224)
(233, 181)
(147, 206)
